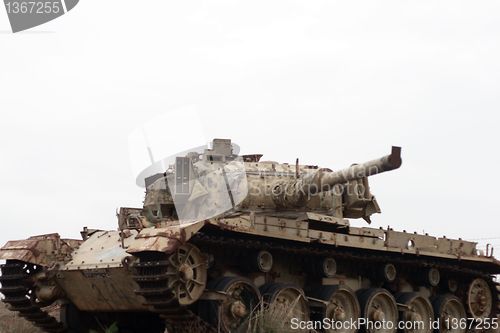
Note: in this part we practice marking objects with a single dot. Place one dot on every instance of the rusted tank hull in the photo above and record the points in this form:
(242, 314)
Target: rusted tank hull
(97, 278)
(101, 290)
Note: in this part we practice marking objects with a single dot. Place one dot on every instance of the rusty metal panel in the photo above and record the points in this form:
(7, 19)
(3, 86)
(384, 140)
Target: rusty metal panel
(412, 242)
(96, 279)
(461, 247)
(282, 232)
(40, 250)
(359, 241)
(282, 223)
(457, 247)
(240, 223)
(323, 236)
(27, 255)
(105, 289)
(327, 218)
(103, 249)
(367, 232)
(165, 239)
(443, 245)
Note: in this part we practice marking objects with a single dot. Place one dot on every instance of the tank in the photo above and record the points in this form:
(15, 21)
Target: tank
(230, 243)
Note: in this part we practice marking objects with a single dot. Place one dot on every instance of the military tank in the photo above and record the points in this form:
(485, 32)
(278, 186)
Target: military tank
(223, 240)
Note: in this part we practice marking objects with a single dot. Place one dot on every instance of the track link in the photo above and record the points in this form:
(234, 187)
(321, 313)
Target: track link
(152, 278)
(19, 296)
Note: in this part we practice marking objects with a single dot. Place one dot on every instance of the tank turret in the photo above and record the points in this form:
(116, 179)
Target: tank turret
(216, 181)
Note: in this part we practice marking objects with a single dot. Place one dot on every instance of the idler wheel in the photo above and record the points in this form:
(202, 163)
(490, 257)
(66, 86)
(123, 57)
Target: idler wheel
(379, 307)
(284, 302)
(479, 299)
(450, 312)
(234, 312)
(418, 312)
(342, 306)
(187, 274)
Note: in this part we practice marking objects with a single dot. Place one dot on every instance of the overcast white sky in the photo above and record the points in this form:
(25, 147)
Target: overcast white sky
(329, 82)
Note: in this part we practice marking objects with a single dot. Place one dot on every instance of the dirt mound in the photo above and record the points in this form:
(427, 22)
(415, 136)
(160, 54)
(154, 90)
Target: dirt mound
(10, 322)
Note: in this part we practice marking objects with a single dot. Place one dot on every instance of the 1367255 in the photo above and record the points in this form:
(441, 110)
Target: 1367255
(33, 7)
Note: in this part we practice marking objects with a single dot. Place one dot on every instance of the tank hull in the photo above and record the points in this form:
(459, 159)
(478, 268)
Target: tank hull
(103, 274)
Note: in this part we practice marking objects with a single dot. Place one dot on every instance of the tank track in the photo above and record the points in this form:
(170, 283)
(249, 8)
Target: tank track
(16, 288)
(244, 244)
(151, 276)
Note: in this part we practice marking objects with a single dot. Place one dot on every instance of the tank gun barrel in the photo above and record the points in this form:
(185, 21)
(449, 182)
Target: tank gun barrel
(324, 181)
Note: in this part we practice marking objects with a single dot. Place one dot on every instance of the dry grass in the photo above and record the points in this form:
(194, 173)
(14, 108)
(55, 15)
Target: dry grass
(264, 319)
(272, 319)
